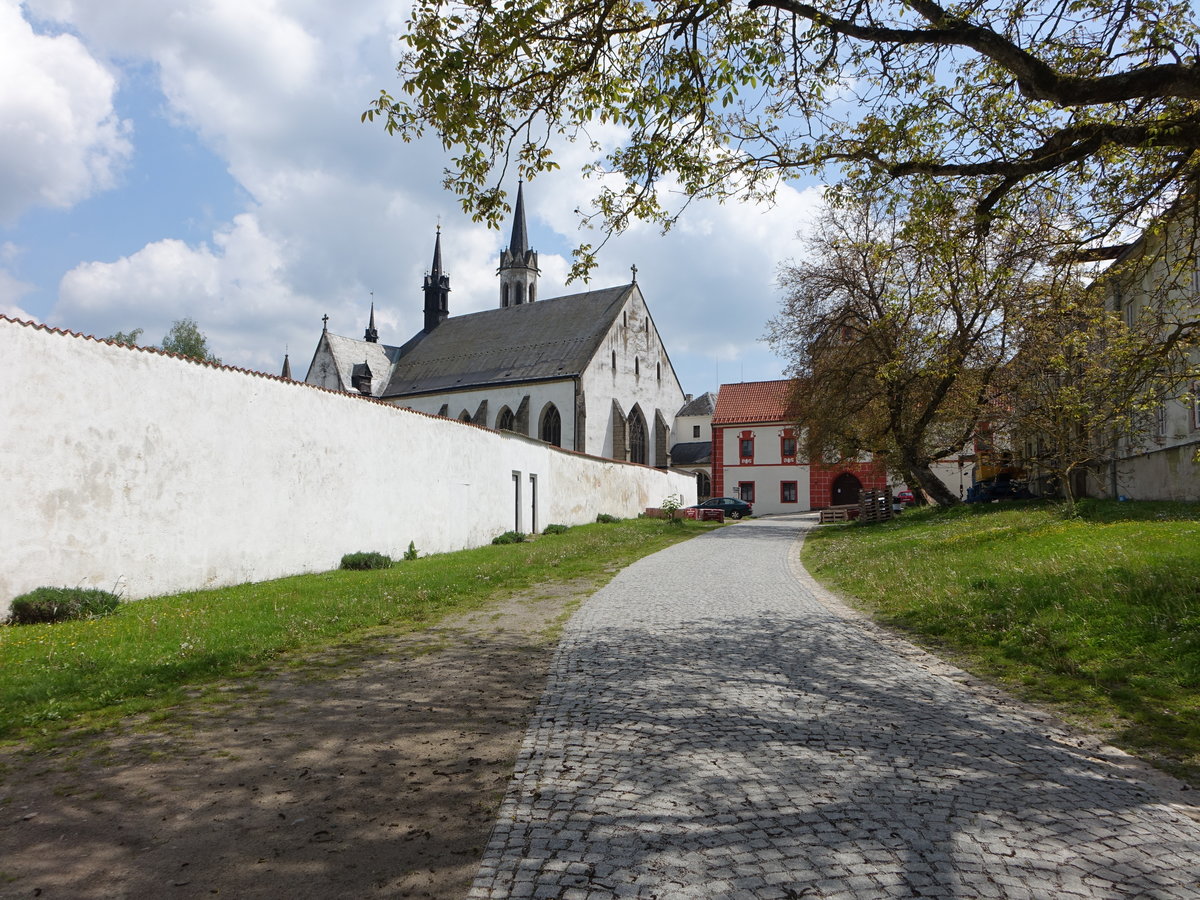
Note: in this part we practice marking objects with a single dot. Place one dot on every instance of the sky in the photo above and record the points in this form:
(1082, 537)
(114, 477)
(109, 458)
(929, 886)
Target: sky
(162, 159)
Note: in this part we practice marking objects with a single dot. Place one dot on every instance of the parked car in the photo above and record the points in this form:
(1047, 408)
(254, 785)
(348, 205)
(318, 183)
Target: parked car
(904, 496)
(731, 506)
(991, 491)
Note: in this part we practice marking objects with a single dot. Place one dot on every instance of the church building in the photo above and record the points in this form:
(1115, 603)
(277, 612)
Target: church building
(586, 372)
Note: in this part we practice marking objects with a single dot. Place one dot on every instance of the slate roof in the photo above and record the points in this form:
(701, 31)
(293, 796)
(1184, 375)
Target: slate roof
(753, 401)
(531, 342)
(691, 454)
(704, 405)
(349, 352)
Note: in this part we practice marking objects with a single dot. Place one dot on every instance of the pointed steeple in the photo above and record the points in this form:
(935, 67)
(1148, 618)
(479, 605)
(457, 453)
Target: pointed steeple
(371, 336)
(518, 264)
(520, 234)
(437, 289)
(287, 367)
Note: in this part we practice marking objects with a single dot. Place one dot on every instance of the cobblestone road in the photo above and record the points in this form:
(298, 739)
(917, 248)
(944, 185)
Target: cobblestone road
(711, 728)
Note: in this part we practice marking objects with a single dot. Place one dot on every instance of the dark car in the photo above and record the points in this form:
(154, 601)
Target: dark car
(731, 506)
(992, 491)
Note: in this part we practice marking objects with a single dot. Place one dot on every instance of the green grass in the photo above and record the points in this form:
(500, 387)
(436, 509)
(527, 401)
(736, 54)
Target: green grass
(1097, 616)
(144, 656)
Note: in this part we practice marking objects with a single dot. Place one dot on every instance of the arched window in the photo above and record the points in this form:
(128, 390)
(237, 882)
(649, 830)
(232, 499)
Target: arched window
(614, 362)
(532, 292)
(637, 436)
(464, 416)
(505, 421)
(504, 295)
(703, 485)
(637, 369)
(658, 370)
(550, 430)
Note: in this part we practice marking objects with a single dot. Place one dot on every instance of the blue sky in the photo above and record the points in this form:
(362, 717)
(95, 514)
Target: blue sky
(165, 159)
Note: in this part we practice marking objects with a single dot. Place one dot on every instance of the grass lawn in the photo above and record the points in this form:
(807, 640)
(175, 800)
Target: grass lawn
(1097, 617)
(95, 671)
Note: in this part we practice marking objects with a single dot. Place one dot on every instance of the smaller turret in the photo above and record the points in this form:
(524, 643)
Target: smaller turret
(371, 336)
(437, 289)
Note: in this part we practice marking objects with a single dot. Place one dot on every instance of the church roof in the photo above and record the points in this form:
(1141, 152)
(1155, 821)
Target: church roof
(691, 453)
(349, 352)
(753, 401)
(704, 405)
(530, 342)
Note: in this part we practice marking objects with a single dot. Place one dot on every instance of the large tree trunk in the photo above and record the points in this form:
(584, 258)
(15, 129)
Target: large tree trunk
(932, 486)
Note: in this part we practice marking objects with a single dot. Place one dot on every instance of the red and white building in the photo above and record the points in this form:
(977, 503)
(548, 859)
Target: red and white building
(757, 455)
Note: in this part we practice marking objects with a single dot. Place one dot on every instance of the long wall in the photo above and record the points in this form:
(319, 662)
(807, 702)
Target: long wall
(155, 474)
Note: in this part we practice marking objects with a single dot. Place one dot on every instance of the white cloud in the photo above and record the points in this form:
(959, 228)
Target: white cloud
(62, 140)
(337, 212)
(11, 291)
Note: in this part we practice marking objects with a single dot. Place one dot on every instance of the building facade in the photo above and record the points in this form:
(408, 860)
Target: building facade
(757, 455)
(587, 372)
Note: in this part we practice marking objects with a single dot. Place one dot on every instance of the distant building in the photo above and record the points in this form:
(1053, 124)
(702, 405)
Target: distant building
(586, 372)
(693, 432)
(757, 455)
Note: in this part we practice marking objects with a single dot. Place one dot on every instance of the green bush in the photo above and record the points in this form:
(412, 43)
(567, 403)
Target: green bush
(509, 537)
(556, 529)
(48, 604)
(366, 561)
(606, 519)
(411, 552)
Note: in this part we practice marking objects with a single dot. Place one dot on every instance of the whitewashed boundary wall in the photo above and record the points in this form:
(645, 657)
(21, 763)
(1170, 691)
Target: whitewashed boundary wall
(157, 474)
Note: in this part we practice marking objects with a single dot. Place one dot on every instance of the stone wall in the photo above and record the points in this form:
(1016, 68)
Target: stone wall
(154, 474)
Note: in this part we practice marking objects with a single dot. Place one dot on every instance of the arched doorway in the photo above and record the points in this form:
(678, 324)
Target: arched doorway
(846, 489)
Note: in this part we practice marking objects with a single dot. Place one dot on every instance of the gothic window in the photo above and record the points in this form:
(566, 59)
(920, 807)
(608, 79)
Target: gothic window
(703, 485)
(614, 362)
(658, 370)
(532, 292)
(636, 367)
(551, 427)
(504, 295)
(464, 416)
(505, 421)
(637, 437)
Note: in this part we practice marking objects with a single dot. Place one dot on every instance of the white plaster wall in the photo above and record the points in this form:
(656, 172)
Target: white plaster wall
(158, 474)
(684, 426)
(633, 336)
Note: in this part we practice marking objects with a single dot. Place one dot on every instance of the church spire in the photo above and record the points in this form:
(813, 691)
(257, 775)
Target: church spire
(437, 289)
(287, 367)
(518, 263)
(520, 234)
(371, 336)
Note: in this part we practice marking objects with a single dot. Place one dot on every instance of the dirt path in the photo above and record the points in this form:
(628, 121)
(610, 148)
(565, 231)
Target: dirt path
(372, 770)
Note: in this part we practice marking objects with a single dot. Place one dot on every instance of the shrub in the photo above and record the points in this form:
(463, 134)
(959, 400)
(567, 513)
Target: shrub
(509, 537)
(411, 552)
(366, 561)
(556, 529)
(48, 604)
(606, 519)
(670, 506)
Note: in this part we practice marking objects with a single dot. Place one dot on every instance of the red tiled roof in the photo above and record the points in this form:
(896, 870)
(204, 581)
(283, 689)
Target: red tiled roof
(753, 401)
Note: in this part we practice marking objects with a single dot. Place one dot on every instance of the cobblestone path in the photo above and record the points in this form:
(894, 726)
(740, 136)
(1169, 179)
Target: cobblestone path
(711, 728)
